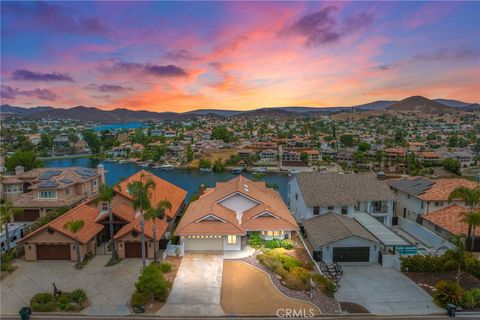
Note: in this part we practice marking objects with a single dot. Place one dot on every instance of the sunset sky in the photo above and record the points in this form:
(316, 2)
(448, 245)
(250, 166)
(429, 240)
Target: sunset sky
(166, 56)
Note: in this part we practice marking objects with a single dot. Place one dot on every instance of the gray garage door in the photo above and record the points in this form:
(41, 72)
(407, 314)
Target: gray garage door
(351, 254)
(215, 244)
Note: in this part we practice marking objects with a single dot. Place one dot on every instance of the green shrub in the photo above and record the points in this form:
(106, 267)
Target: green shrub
(448, 292)
(43, 302)
(255, 240)
(418, 263)
(294, 282)
(472, 266)
(63, 300)
(326, 285)
(139, 299)
(78, 296)
(302, 273)
(165, 267)
(289, 262)
(152, 283)
(471, 299)
(277, 243)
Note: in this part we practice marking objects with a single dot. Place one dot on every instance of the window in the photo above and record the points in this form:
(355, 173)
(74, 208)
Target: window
(316, 210)
(94, 183)
(104, 206)
(68, 191)
(232, 240)
(330, 208)
(421, 205)
(52, 194)
(296, 196)
(408, 196)
(344, 210)
(270, 233)
(438, 203)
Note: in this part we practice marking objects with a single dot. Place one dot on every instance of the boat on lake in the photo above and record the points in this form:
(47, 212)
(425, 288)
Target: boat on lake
(166, 167)
(205, 169)
(237, 170)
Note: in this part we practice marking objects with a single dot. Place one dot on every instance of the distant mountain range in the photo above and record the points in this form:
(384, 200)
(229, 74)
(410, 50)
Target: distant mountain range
(410, 104)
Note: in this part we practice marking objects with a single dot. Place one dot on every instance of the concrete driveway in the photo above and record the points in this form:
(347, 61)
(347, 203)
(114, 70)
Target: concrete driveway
(108, 288)
(384, 291)
(197, 287)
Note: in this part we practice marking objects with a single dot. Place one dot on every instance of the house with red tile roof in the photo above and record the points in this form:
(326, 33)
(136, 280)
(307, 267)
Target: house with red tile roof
(224, 215)
(447, 222)
(52, 242)
(417, 196)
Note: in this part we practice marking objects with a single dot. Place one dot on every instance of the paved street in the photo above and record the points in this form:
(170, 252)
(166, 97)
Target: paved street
(196, 289)
(108, 288)
(384, 291)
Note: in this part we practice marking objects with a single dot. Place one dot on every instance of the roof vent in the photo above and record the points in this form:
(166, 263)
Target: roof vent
(245, 187)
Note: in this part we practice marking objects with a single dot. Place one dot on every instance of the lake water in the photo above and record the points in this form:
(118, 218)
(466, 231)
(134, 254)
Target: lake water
(115, 126)
(189, 180)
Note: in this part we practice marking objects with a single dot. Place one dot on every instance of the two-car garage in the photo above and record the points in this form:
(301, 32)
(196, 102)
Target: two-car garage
(53, 251)
(351, 254)
(203, 244)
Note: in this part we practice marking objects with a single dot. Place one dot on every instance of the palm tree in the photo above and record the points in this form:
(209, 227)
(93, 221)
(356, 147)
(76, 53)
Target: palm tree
(457, 256)
(7, 212)
(472, 218)
(153, 214)
(106, 194)
(141, 193)
(74, 226)
(471, 197)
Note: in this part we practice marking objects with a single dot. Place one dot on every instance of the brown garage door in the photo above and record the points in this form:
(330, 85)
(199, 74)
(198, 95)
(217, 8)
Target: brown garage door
(27, 215)
(53, 252)
(134, 249)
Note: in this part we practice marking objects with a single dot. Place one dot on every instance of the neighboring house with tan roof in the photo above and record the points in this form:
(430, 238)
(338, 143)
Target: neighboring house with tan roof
(52, 242)
(41, 190)
(224, 215)
(447, 222)
(338, 238)
(316, 193)
(417, 196)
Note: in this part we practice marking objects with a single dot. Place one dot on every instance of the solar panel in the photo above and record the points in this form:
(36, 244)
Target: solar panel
(47, 184)
(66, 180)
(86, 173)
(47, 175)
(415, 187)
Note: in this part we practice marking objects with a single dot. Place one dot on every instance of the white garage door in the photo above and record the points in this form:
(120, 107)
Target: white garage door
(203, 244)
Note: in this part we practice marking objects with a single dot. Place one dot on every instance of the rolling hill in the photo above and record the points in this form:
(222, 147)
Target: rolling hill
(420, 104)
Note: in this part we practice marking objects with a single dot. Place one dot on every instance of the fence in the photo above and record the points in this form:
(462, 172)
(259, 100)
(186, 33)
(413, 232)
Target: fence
(423, 234)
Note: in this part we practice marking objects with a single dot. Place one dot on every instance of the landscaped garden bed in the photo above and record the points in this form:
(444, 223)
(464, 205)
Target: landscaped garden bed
(291, 269)
(154, 284)
(74, 301)
(450, 279)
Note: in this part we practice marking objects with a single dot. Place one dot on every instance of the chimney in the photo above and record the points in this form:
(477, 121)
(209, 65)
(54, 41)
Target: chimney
(101, 172)
(19, 170)
(201, 190)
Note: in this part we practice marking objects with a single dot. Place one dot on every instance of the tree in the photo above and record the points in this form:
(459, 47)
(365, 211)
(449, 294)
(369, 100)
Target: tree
(472, 219)
(364, 146)
(153, 214)
(106, 194)
(92, 140)
(141, 192)
(222, 133)
(452, 165)
(359, 156)
(347, 140)
(205, 163)
(218, 166)
(471, 198)
(7, 211)
(457, 256)
(27, 159)
(74, 226)
(189, 153)
(304, 157)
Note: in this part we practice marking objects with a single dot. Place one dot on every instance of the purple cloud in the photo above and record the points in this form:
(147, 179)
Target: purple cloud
(27, 75)
(54, 17)
(322, 27)
(146, 69)
(10, 93)
(180, 55)
(108, 87)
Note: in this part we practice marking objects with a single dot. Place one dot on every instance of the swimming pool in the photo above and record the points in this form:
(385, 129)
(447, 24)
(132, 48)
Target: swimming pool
(409, 250)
